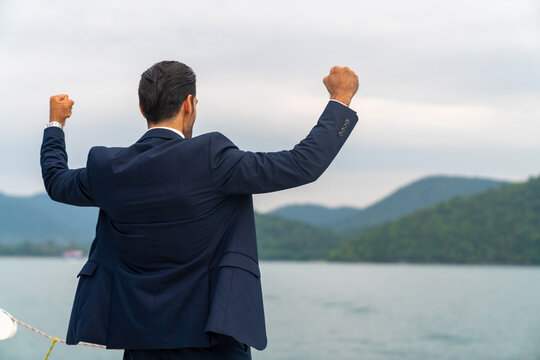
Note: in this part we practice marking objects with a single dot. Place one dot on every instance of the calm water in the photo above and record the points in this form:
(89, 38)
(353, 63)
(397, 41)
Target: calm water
(326, 311)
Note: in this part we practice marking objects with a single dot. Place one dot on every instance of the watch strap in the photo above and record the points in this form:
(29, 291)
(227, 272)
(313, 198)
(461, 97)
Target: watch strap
(55, 124)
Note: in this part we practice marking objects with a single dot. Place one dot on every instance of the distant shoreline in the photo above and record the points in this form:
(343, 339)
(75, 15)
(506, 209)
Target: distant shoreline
(325, 262)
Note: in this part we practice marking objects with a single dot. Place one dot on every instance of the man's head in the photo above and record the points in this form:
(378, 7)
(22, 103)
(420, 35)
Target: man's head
(167, 92)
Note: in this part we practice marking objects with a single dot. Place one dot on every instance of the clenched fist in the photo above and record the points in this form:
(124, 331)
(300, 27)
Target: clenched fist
(342, 84)
(60, 108)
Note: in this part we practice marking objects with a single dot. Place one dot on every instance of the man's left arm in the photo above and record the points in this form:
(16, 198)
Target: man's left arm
(70, 186)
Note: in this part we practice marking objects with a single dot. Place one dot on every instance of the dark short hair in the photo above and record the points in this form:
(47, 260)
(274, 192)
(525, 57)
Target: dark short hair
(163, 89)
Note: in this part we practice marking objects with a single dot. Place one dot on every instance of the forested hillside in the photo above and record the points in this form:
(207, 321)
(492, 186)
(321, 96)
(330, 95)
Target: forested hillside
(282, 239)
(499, 226)
(415, 196)
(38, 219)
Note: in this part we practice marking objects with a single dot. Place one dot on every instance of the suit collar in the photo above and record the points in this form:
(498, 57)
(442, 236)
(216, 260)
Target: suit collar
(160, 133)
(169, 128)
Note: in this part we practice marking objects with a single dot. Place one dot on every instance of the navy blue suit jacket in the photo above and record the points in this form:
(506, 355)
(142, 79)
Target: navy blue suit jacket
(174, 258)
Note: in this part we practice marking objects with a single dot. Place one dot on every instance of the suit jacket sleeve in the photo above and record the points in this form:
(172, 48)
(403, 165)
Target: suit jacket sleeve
(243, 172)
(70, 186)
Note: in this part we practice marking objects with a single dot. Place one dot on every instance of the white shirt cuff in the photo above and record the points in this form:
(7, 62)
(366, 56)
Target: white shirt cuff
(338, 102)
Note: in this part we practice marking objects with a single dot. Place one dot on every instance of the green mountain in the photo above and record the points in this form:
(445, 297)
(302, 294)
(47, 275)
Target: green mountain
(415, 196)
(38, 225)
(317, 214)
(39, 219)
(284, 239)
(500, 226)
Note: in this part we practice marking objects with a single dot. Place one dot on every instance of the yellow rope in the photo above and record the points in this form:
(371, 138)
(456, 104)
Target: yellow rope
(54, 340)
(50, 337)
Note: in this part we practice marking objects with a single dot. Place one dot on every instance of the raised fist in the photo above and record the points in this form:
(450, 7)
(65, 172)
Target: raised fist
(342, 84)
(60, 108)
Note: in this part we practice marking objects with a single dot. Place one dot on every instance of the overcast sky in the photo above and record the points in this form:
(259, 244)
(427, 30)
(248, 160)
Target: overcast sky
(446, 87)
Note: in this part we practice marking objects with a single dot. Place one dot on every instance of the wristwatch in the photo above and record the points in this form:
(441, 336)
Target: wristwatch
(55, 124)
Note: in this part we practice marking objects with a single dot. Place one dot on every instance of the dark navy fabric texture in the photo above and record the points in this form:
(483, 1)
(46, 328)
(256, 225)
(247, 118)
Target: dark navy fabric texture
(226, 349)
(174, 258)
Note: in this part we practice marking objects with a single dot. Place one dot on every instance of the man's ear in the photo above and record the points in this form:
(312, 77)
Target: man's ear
(142, 112)
(187, 105)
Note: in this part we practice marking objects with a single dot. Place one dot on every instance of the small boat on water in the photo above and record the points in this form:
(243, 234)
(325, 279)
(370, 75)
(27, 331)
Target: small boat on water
(72, 254)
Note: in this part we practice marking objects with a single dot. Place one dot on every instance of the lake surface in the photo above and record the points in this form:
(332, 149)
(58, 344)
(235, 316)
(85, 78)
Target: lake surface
(325, 311)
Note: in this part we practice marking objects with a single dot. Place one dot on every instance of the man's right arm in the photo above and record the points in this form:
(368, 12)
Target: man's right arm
(242, 172)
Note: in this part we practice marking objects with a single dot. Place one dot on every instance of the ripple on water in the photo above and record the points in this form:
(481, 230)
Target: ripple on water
(349, 307)
(450, 339)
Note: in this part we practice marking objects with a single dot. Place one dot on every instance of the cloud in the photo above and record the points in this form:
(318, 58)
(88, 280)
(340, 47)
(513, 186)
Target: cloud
(442, 84)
